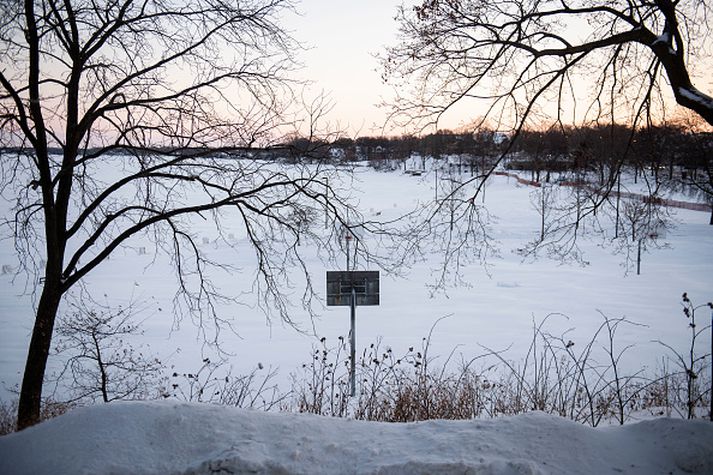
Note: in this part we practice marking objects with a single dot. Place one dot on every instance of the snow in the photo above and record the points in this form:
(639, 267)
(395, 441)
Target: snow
(496, 311)
(693, 94)
(666, 40)
(173, 438)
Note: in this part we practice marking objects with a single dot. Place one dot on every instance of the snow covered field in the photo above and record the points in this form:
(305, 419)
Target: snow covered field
(497, 311)
(171, 438)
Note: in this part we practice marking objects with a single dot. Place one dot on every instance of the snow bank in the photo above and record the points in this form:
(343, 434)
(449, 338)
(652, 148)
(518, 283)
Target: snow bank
(164, 437)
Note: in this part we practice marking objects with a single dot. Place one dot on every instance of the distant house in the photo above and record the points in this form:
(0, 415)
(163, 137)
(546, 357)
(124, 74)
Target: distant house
(337, 153)
(500, 138)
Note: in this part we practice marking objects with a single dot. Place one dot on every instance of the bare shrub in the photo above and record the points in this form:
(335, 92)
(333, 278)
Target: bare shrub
(216, 384)
(584, 381)
(8, 411)
(324, 386)
(48, 410)
(101, 364)
(692, 365)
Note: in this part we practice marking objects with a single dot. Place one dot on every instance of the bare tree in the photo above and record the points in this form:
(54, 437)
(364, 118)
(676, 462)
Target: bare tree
(126, 118)
(100, 363)
(520, 64)
(698, 150)
(515, 55)
(645, 225)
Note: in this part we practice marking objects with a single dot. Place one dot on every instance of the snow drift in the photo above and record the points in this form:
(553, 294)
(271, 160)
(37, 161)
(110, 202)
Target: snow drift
(180, 438)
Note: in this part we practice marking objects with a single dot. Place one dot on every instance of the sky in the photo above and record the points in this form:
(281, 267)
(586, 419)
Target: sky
(342, 37)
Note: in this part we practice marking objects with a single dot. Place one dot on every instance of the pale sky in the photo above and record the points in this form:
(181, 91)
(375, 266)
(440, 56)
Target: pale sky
(343, 36)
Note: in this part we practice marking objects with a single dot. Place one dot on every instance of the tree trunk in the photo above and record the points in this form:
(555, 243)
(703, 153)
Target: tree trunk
(102, 368)
(28, 412)
(711, 220)
(618, 199)
(543, 204)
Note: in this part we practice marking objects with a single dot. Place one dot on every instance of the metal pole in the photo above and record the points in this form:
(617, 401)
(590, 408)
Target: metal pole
(353, 341)
(326, 202)
(348, 238)
(352, 338)
(711, 393)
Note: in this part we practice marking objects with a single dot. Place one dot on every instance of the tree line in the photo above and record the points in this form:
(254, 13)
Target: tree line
(666, 150)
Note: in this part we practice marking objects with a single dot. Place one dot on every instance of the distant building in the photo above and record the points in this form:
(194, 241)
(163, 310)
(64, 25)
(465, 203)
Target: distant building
(500, 138)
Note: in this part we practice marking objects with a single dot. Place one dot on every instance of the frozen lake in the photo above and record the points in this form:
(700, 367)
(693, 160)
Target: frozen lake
(497, 309)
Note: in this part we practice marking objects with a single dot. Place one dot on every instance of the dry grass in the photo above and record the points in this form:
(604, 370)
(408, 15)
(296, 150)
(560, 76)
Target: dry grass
(587, 385)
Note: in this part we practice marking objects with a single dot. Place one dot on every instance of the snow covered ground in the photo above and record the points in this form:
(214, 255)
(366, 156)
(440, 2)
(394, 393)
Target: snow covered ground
(497, 310)
(171, 438)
